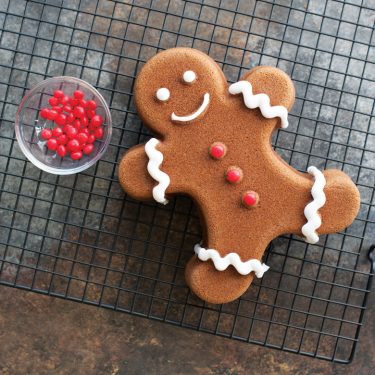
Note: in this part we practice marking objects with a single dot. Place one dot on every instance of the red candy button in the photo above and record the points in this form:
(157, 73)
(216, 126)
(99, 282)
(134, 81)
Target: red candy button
(250, 199)
(60, 119)
(84, 121)
(79, 111)
(91, 138)
(57, 132)
(58, 94)
(57, 109)
(82, 138)
(91, 105)
(44, 113)
(53, 101)
(78, 94)
(52, 114)
(70, 118)
(61, 151)
(234, 175)
(72, 132)
(76, 155)
(52, 144)
(98, 133)
(96, 121)
(64, 100)
(62, 140)
(218, 150)
(88, 149)
(46, 134)
(73, 145)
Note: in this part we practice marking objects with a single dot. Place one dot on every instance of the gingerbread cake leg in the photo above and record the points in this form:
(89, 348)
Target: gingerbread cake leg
(215, 286)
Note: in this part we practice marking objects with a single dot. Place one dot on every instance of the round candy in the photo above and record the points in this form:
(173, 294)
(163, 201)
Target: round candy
(52, 114)
(57, 132)
(77, 124)
(250, 199)
(73, 102)
(78, 94)
(53, 101)
(61, 151)
(88, 149)
(91, 138)
(57, 108)
(64, 100)
(234, 175)
(60, 119)
(84, 121)
(46, 134)
(79, 111)
(96, 121)
(73, 145)
(70, 118)
(76, 155)
(44, 113)
(71, 132)
(52, 144)
(98, 133)
(62, 140)
(91, 105)
(58, 94)
(90, 113)
(82, 138)
(67, 108)
(218, 150)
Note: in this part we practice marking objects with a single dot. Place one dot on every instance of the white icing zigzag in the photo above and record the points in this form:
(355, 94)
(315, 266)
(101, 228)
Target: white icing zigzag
(259, 100)
(314, 220)
(222, 263)
(153, 167)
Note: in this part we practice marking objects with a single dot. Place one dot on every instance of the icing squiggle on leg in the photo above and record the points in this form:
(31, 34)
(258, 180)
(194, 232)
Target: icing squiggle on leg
(231, 259)
(259, 100)
(153, 168)
(314, 220)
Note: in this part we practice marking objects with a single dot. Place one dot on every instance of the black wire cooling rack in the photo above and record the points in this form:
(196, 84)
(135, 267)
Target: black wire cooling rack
(78, 237)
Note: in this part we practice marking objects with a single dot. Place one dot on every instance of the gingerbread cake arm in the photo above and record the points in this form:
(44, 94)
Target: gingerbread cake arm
(342, 202)
(329, 203)
(133, 175)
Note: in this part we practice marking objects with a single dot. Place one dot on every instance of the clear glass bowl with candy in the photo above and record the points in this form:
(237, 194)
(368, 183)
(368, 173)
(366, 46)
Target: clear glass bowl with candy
(63, 125)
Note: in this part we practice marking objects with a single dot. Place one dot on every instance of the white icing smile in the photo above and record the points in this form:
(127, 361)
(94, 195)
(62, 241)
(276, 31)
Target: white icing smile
(196, 114)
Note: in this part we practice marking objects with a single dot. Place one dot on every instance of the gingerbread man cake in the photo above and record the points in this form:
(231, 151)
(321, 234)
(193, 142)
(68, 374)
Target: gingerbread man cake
(212, 143)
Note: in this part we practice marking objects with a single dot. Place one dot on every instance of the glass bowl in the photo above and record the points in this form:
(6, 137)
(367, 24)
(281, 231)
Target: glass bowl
(29, 125)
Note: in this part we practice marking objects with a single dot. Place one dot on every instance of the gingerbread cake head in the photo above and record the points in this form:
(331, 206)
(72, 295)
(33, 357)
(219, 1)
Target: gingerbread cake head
(213, 143)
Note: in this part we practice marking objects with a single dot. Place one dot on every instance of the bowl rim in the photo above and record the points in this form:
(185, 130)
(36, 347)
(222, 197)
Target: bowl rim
(30, 156)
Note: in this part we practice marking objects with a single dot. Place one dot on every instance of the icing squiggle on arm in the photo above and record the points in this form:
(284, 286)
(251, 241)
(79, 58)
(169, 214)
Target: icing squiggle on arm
(259, 100)
(314, 221)
(231, 259)
(153, 167)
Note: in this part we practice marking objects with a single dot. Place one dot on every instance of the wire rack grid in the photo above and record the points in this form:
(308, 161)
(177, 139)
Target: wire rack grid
(79, 237)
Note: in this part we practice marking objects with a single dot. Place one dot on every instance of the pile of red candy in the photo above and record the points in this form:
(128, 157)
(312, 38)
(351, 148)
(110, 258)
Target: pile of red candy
(78, 125)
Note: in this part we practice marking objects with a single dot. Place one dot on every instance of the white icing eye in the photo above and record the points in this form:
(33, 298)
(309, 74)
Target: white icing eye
(189, 76)
(163, 94)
